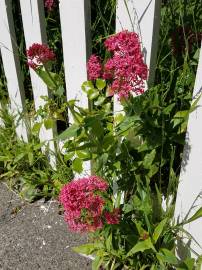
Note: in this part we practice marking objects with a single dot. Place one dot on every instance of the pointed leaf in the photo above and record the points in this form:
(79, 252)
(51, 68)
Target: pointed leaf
(141, 247)
(72, 131)
(167, 256)
(149, 158)
(197, 215)
(97, 263)
(87, 249)
(190, 263)
(48, 78)
(158, 230)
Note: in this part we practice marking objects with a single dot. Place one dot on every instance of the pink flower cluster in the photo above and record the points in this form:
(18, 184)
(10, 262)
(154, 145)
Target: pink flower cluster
(50, 4)
(84, 204)
(39, 54)
(126, 68)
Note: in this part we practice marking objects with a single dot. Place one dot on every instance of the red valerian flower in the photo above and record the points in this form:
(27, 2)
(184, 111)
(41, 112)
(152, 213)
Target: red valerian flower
(83, 203)
(39, 54)
(50, 4)
(94, 67)
(113, 217)
(126, 67)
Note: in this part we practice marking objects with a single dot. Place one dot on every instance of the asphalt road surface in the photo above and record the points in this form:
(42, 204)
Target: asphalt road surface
(34, 236)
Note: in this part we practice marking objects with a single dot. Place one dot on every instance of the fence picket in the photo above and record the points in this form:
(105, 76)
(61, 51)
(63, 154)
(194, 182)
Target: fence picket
(34, 30)
(190, 184)
(75, 26)
(11, 64)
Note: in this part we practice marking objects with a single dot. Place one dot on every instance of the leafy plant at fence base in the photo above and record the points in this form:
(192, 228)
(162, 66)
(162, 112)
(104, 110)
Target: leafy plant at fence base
(26, 167)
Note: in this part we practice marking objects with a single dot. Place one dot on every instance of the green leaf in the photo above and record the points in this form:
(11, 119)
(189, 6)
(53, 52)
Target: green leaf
(180, 117)
(100, 84)
(154, 267)
(158, 230)
(195, 105)
(139, 228)
(86, 86)
(153, 170)
(48, 78)
(141, 247)
(93, 93)
(199, 263)
(99, 101)
(167, 256)
(77, 165)
(83, 154)
(190, 263)
(149, 158)
(197, 215)
(49, 123)
(30, 158)
(72, 131)
(109, 242)
(19, 157)
(36, 127)
(88, 249)
(169, 108)
(127, 123)
(97, 263)
(60, 91)
(95, 124)
(68, 156)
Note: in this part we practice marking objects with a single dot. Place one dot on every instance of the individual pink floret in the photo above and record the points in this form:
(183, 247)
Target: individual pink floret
(94, 67)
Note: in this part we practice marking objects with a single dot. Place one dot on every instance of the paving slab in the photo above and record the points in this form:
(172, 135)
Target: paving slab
(34, 236)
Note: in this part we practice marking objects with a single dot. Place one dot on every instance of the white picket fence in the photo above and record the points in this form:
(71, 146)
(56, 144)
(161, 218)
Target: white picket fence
(75, 25)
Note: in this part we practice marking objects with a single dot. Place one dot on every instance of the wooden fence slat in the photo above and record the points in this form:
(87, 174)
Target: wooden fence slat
(11, 64)
(190, 184)
(34, 30)
(75, 27)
